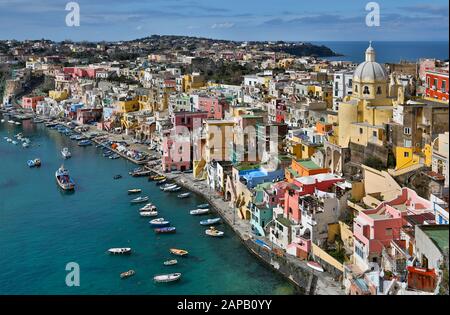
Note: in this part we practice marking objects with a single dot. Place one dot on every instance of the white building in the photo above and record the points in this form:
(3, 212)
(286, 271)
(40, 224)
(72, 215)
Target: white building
(342, 87)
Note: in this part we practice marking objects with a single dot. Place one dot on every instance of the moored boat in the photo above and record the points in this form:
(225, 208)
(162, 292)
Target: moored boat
(174, 189)
(85, 143)
(314, 265)
(212, 231)
(148, 207)
(117, 177)
(139, 200)
(66, 153)
(168, 187)
(170, 262)
(178, 252)
(148, 214)
(134, 191)
(161, 182)
(156, 178)
(210, 221)
(63, 179)
(167, 278)
(184, 196)
(127, 274)
(159, 223)
(120, 251)
(199, 212)
(166, 230)
(203, 206)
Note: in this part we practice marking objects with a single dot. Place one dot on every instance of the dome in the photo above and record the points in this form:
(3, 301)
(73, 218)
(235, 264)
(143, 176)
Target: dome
(370, 70)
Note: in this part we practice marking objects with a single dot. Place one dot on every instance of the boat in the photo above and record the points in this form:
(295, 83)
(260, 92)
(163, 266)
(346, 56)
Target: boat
(115, 156)
(167, 278)
(139, 200)
(171, 262)
(120, 251)
(166, 230)
(25, 144)
(210, 221)
(17, 123)
(140, 173)
(85, 143)
(66, 153)
(2, 120)
(37, 162)
(175, 189)
(178, 252)
(63, 179)
(148, 214)
(30, 163)
(203, 206)
(14, 142)
(117, 177)
(315, 266)
(127, 274)
(148, 207)
(183, 196)
(156, 178)
(212, 231)
(199, 212)
(134, 191)
(161, 182)
(159, 223)
(168, 187)
(11, 121)
(107, 154)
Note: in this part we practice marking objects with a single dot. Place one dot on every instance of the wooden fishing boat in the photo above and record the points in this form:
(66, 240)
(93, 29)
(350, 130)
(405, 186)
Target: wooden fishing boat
(134, 191)
(172, 262)
(119, 251)
(199, 212)
(210, 221)
(127, 274)
(179, 252)
(212, 231)
(139, 200)
(166, 230)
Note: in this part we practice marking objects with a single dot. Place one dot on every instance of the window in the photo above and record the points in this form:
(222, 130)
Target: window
(435, 83)
(360, 131)
(444, 86)
(366, 90)
(359, 252)
(375, 133)
(356, 88)
(407, 131)
(406, 154)
(350, 83)
(388, 232)
(379, 90)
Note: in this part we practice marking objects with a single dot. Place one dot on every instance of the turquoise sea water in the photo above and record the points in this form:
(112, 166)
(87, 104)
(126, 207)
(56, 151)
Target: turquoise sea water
(42, 229)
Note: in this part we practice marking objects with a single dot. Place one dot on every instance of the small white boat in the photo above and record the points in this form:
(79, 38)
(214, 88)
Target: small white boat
(199, 212)
(171, 262)
(2, 120)
(214, 232)
(139, 200)
(25, 144)
(134, 191)
(148, 207)
(17, 123)
(315, 266)
(185, 195)
(14, 142)
(66, 153)
(167, 278)
(11, 121)
(9, 140)
(210, 221)
(119, 251)
(148, 214)
(169, 188)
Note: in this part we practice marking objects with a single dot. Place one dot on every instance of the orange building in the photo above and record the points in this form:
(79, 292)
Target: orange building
(323, 128)
(300, 168)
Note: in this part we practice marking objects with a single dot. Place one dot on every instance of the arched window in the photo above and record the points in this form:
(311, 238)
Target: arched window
(366, 90)
(356, 88)
(379, 90)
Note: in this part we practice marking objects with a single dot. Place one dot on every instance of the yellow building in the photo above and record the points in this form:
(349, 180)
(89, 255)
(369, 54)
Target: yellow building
(362, 115)
(192, 82)
(58, 95)
(129, 105)
(405, 157)
(300, 149)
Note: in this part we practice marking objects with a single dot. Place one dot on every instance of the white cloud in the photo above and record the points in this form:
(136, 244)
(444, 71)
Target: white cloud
(222, 25)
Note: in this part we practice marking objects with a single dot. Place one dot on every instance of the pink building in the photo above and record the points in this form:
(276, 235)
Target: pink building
(176, 152)
(88, 115)
(31, 102)
(190, 120)
(90, 73)
(374, 229)
(213, 105)
(305, 186)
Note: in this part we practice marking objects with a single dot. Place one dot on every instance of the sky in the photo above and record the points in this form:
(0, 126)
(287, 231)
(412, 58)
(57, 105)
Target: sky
(290, 20)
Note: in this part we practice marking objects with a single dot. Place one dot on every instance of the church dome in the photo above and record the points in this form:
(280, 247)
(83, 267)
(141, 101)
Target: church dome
(370, 70)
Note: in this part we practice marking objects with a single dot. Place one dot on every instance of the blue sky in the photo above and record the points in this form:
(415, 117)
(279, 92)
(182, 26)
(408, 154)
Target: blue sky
(325, 20)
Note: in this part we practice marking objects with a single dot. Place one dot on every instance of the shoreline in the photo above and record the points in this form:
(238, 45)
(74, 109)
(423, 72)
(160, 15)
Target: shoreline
(308, 282)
